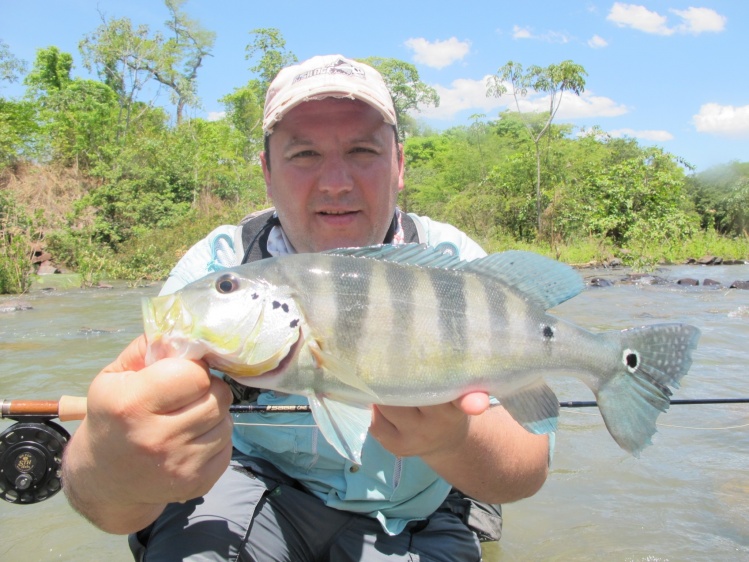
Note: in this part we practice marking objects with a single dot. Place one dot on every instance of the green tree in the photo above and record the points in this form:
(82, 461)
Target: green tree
(553, 80)
(244, 106)
(77, 116)
(11, 67)
(119, 52)
(408, 91)
(721, 195)
(19, 131)
(51, 72)
(128, 57)
(270, 47)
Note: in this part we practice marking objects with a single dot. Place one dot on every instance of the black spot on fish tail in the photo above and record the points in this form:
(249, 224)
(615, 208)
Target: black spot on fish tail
(631, 360)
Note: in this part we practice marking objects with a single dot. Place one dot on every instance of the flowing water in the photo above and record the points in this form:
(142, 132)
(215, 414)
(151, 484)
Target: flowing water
(686, 498)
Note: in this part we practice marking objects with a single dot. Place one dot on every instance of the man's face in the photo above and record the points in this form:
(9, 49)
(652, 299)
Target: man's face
(335, 173)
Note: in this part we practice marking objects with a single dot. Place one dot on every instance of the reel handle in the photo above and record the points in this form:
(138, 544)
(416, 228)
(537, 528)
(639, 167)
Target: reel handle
(67, 408)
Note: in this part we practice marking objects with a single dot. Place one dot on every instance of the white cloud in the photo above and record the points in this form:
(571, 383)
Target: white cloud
(694, 20)
(700, 20)
(438, 54)
(723, 120)
(521, 32)
(638, 17)
(463, 94)
(650, 135)
(466, 94)
(578, 107)
(548, 37)
(597, 42)
(216, 115)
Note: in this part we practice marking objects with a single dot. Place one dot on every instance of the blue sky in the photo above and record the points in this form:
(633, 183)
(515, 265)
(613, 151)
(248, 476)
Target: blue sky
(669, 73)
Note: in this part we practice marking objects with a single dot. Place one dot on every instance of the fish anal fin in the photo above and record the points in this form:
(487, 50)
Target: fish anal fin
(534, 406)
(344, 425)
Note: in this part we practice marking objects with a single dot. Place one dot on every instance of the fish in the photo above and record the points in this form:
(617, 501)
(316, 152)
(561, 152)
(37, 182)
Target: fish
(411, 325)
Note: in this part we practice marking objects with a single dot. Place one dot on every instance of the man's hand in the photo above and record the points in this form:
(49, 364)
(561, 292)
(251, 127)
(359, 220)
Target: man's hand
(420, 431)
(152, 435)
(481, 451)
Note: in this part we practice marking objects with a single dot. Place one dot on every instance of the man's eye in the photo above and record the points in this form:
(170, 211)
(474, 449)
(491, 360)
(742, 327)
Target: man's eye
(304, 154)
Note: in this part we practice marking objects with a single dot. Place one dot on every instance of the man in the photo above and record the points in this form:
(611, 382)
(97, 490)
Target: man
(151, 456)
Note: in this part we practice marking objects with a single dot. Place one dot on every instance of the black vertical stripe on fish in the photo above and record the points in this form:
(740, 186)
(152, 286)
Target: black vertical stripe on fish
(402, 283)
(351, 284)
(449, 290)
(495, 300)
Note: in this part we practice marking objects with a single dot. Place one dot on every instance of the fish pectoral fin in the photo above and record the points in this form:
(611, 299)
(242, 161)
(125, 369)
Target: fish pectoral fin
(343, 425)
(534, 406)
(341, 370)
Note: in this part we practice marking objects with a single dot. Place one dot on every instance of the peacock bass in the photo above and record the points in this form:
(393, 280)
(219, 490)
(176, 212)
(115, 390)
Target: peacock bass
(411, 326)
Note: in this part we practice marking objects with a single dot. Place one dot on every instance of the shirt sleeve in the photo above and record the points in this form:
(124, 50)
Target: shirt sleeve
(214, 252)
(443, 234)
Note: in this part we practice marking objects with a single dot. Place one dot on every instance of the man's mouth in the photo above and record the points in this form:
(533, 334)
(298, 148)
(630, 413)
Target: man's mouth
(336, 213)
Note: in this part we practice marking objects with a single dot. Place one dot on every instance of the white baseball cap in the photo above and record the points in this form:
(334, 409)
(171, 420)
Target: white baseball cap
(322, 77)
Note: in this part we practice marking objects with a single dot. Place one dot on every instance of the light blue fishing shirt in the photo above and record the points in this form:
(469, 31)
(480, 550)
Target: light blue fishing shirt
(394, 490)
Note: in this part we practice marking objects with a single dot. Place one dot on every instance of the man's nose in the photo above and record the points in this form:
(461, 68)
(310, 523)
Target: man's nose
(335, 176)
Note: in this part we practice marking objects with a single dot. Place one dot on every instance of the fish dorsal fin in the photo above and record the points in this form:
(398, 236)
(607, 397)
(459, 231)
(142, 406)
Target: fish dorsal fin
(411, 254)
(541, 280)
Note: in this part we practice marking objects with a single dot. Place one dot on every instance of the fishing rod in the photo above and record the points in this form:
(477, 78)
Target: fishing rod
(31, 449)
(71, 408)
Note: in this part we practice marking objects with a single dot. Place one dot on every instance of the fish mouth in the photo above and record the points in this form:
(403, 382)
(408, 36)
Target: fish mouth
(248, 374)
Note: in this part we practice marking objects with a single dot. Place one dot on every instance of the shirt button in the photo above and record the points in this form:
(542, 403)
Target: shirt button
(354, 468)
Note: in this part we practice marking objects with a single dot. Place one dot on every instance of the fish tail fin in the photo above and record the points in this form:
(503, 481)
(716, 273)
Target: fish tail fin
(653, 360)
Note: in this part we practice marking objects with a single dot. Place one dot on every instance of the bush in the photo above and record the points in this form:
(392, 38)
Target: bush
(15, 246)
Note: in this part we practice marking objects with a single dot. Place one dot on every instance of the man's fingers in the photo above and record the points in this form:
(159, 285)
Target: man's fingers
(169, 385)
(473, 404)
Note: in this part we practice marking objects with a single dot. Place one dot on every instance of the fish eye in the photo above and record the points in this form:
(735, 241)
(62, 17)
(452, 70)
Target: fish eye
(226, 284)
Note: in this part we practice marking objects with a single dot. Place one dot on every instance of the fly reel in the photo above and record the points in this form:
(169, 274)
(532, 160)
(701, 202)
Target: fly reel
(31, 461)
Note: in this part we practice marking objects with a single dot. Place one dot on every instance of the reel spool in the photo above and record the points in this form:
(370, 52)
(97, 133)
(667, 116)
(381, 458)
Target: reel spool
(31, 461)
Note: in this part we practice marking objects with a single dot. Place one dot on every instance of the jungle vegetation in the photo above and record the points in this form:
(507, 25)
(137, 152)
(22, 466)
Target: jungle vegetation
(112, 185)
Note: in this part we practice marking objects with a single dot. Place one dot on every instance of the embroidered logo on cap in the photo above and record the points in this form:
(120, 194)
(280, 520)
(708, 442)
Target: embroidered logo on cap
(339, 66)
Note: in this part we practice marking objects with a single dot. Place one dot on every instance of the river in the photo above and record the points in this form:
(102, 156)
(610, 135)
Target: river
(686, 498)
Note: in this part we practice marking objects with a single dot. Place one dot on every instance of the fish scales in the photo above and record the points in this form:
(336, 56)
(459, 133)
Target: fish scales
(402, 290)
(452, 307)
(409, 326)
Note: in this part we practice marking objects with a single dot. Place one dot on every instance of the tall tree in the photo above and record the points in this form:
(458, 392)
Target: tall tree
(270, 46)
(128, 57)
(244, 106)
(553, 80)
(408, 91)
(183, 56)
(51, 72)
(11, 67)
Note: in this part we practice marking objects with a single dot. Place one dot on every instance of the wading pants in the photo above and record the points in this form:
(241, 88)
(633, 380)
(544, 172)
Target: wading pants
(256, 513)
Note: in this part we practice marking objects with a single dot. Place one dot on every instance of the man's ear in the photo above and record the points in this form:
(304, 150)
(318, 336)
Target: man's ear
(266, 173)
